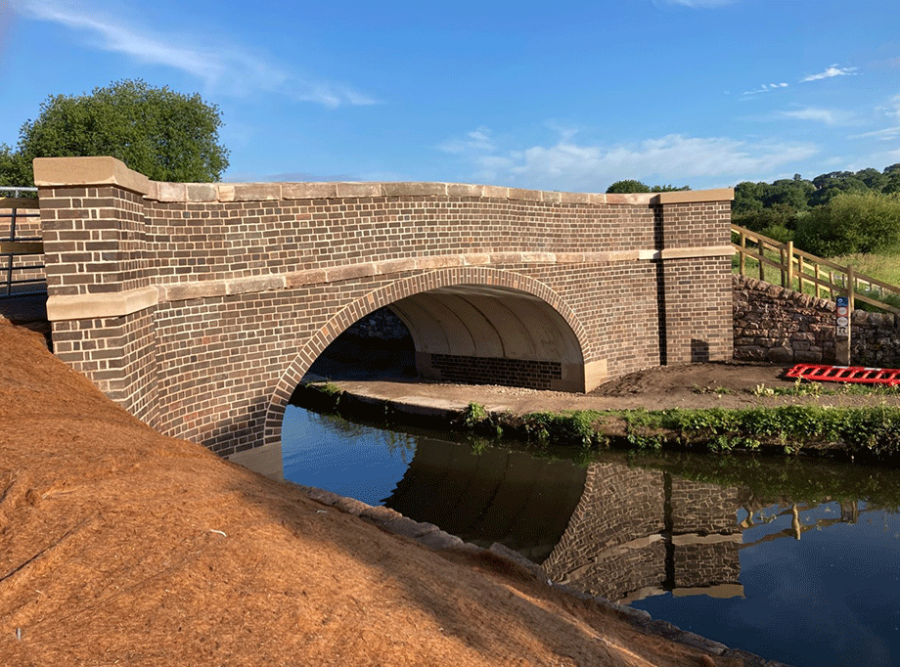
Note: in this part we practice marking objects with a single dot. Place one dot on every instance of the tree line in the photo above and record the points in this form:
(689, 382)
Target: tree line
(838, 213)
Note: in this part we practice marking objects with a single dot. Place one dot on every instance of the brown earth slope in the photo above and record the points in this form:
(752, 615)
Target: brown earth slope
(121, 546)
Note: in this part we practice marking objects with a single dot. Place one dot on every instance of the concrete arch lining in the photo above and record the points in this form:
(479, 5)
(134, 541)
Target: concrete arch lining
(448, 328)
(489, 341)
(498, 323)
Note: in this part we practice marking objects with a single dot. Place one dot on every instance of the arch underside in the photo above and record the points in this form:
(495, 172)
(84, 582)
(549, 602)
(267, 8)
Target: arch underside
(491, 334)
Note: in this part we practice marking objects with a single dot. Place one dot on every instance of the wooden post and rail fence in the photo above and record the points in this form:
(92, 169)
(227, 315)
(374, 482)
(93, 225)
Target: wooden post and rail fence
(771, 260)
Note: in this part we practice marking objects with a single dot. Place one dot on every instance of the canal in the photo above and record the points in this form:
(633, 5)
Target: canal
(793, 559)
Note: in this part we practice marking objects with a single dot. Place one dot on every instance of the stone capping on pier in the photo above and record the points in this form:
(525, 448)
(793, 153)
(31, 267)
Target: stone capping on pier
(69, 172)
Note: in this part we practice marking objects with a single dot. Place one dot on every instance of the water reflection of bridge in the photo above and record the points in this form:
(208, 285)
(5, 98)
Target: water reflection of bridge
(609, 529)
(641, 532)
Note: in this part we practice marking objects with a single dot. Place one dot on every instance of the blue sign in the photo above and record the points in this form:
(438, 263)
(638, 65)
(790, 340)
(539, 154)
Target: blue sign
(842, 301)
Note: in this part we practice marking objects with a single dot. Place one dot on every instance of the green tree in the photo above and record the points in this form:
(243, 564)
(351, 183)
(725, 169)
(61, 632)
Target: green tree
(830, 185)
(165, 135)
(627, 187)
(851, 223)
(669, 188)
(630, 186)
(793, 193)
(749, 197)
(14, 170)
(873, 179)
(892, 179)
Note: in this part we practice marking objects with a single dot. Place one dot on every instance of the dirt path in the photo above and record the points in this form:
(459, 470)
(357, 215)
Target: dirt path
(121, 546)
(700, 386)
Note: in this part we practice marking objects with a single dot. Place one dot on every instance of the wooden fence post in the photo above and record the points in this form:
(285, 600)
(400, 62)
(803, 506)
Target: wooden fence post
(851, 287)
(790, 266)
(762, 253)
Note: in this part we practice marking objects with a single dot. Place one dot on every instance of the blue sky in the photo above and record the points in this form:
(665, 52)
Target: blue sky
(567, 96)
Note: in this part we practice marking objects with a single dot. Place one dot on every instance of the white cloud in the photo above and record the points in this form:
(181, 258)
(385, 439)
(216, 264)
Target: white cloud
(674, 158)
(477, 140)
(225, 68)
(826, 116)
(766, 88)
(887, 134)
(892, 111)
(830, 72)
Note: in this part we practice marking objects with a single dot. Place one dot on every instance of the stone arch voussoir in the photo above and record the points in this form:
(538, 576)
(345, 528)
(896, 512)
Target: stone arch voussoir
(395, 291)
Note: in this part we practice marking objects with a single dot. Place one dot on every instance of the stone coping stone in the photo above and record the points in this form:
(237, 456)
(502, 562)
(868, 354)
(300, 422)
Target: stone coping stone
(104, 170)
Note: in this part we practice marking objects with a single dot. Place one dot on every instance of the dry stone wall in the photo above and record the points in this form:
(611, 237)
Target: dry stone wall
(779, 325)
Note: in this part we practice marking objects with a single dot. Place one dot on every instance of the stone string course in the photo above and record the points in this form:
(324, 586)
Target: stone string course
(775, 324)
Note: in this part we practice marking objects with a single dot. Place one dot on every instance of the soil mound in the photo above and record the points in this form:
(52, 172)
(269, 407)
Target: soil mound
(121, 546)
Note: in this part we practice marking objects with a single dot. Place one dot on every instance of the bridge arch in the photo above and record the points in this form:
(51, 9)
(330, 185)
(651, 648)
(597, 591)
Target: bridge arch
(488, 305)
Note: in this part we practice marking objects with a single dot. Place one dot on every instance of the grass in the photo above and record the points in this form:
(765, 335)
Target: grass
(802, 388)
(883, 265)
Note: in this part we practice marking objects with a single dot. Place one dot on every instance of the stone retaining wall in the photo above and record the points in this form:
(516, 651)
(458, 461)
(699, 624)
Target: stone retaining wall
(779, 325)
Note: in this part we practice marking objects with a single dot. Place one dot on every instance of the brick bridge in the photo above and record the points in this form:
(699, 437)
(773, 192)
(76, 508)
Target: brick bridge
(199, 307)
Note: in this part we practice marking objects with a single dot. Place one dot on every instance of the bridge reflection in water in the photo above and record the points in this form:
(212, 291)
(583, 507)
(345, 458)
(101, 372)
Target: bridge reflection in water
(607, 529)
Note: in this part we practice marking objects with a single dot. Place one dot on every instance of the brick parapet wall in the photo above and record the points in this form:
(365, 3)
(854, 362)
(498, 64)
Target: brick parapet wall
(687, 224)
(772, 323)
(694, 289)
(219, 241)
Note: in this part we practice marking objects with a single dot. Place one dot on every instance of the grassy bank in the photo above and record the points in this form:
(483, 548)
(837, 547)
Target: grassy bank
(871, 433)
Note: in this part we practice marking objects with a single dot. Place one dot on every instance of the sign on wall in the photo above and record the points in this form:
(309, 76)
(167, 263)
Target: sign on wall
(843, 317)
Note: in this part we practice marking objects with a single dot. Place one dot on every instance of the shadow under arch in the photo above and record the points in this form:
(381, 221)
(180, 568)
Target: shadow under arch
(477, 282)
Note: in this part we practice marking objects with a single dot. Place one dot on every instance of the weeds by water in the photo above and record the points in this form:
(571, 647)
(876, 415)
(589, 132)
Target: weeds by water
(873, 432)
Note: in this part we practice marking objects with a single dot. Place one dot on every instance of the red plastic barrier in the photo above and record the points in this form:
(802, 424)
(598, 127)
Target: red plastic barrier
(858, 374)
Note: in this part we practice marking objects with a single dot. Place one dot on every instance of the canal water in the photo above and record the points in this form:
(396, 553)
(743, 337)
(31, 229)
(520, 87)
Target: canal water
(795, 560)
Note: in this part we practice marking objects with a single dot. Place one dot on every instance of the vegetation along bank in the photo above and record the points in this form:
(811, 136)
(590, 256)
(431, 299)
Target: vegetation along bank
(870, 431)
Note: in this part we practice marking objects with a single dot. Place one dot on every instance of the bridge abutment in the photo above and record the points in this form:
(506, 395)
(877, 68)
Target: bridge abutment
(199, 307)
